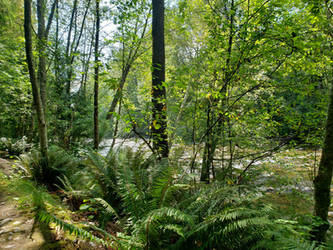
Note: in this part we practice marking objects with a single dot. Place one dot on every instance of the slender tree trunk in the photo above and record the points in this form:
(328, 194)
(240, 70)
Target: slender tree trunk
(68, 48)
(34, 85)
(74, 49)
(159, 124)
(126, 67)
(42, 41)
(212, 140)
(41, 77)
(207, 155)
(50, 19)
(119, 91)
(57, 53)
(116, 127)
(87, 63)
(96, 132)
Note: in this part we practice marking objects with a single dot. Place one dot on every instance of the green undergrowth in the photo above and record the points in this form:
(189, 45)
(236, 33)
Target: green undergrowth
(127, 200)
(46, 208)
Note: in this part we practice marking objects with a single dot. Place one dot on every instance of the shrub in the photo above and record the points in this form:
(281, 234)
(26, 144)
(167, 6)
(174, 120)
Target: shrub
(58, 164)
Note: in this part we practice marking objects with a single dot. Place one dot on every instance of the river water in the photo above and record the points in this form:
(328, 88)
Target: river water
(133, 144)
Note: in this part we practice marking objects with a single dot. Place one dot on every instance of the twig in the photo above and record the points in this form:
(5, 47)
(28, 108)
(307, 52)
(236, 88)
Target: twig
(268, 153)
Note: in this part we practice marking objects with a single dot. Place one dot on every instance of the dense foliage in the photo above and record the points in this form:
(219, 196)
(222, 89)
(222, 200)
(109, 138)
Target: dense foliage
(243, 80)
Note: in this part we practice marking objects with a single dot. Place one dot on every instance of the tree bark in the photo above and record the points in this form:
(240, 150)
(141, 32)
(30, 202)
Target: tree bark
(96, 132)
(42, 41)
(208, 154)
(68, 51)
(41, 76)
(34, 85)
(74, 49)
(50, 19)
(159, 124)
(322, 182)
(86, 65)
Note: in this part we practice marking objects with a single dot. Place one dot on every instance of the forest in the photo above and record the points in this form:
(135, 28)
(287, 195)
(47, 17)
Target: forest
(176, 124)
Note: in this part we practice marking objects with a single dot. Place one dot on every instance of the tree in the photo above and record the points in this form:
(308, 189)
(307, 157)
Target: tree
(133, 21)
(34, 84)
(244, 50)
(322, 182)
(159, 119)
(15, 87)
(73, 46)
(96, 134)
(42, 41)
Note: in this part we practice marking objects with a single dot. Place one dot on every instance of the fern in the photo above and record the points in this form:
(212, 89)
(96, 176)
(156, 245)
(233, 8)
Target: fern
(178, 229)
(157, 211)
(157, 223)
(48, 218)
(103, 170)
(42, 199)
(229, 229)
(167, 212)
(108, 208)
(58, 164)
(133, 198)
(161, 185)
(297, 244)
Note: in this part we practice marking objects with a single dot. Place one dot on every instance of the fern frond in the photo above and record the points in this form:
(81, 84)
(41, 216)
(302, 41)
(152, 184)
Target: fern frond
(178, 229)
(104, 170)
(161, 215)
(243, 224)
(161, 186)
(175, 214)
(297, 244)
(130, 242)
(133, 198)
(47, 218)
(232, 228)
(109, 209)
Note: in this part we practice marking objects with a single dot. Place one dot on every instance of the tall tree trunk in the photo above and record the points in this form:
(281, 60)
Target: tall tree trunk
(41, 77)
(50, 19)
(34, 85)
(207, 155)
(96, 132)
(322, 182)
(212, 140)
(159, 124)
(68, 48)
(86, 64)
(57, 53)
(42, 41)
(74, 49)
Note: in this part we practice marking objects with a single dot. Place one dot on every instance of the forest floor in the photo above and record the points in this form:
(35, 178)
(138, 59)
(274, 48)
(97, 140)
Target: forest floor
(16, 226)
(18, 229)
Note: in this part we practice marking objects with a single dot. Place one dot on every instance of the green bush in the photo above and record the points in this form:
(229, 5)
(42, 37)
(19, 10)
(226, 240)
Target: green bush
(48, 172)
